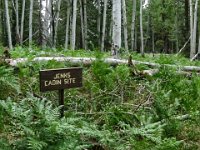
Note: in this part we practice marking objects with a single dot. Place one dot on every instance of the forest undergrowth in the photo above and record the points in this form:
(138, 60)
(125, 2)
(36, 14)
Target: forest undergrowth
(115, 109)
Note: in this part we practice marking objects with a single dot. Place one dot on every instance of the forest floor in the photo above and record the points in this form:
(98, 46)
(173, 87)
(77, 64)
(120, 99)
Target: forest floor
(119, 107)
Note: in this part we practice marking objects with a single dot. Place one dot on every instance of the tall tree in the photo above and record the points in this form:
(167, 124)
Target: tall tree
(125, 24)
(31, 24)
(116, 33)
(141, 28)
(73, 26)
(17, 21)
(85, 24)
(104, 24)
(56, 22)
(133, 25)
(67, 24)
(22, 22)
(191, 29)
(82, 23)
(99, 21)
(8, 25)
(194, 31)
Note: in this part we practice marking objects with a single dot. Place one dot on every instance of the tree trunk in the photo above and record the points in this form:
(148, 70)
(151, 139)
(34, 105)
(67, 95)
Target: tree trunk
(48, 24)
(141, 29)
(82, 25)
(56, 22)
(99, 22)
(8, 25)
(116, 34)
(17, 22)
(177, 26)
(193, 50)
(85, 24)
(191, 29)
(104, 24)
(67, 24)
(90, 60)
(199, 46)
(31, 24)
(73, 36)
(22, 22)
(133, 25)
(125, 25)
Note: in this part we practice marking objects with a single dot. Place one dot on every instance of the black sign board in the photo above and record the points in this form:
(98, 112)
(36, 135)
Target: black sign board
(60, 79)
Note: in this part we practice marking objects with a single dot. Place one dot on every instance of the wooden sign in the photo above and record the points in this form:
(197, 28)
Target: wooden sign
(59, 79)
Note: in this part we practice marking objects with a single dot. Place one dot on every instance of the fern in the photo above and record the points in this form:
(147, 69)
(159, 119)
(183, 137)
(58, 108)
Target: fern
(9, 83)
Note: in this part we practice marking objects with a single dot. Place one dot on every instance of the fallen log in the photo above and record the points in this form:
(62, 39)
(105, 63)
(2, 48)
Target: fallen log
(111, 61)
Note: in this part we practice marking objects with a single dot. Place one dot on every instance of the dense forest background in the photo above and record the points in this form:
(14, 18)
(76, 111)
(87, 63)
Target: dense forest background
(159, 26)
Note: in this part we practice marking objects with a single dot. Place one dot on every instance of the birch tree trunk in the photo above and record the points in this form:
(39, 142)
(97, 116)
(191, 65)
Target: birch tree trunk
(191, 28)
(82, 24)
(99, 22)
(8, 25)
(56, 22)
(73, 36)
(22, 22)
(31, 24)
(133, 25)
(17, 21)
(199, 46)
(104, 24)
(116, 36)
(125, 24)
(141, 28)
(193, 50)
(85, 24)
(47, 28)
(67, 24)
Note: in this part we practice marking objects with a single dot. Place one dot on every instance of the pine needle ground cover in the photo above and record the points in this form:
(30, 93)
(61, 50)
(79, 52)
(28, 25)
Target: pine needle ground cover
(116, 109)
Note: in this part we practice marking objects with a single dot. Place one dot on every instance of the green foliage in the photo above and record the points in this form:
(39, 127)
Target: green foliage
(114, 106)
(36, 126)
(9, 83)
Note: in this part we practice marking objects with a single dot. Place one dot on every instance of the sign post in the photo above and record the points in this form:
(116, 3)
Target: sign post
(60, 79)
(61, 102)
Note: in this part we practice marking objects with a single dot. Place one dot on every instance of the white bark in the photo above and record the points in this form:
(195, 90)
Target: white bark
(116, 34)
(22, 22)
(17, 21)
(104, 24)
(8, 25)
(85, 24)
(73, 36)
(125, 24)
(133, 25)
(197, 52)
(191, 28)
(199, 46)
(31, 24)
(82, 24)
(89, 61)
(67, 25)
(99, 22)
(56, 22)
(194, 34)
(141, 28)
(47, 25)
